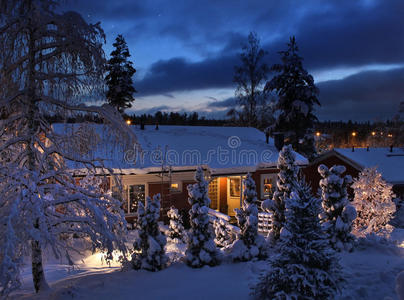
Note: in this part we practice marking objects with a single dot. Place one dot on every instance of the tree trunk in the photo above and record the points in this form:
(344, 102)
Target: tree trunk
(38, 275)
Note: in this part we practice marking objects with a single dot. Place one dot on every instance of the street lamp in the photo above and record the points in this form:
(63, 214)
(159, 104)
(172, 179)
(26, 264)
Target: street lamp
(128, 122)
(353, 133)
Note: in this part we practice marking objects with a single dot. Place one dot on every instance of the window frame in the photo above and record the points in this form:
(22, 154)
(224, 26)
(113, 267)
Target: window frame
(273, 177)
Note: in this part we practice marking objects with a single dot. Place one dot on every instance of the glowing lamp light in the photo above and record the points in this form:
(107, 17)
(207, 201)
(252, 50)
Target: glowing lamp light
(390, 135)
(318, 133)
(373, 133)
(354, 133)
(128, 122)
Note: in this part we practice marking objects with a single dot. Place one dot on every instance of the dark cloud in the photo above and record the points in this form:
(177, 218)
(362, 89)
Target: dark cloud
(227, 103)
(179, 75)
(371, 95)
(203, 38)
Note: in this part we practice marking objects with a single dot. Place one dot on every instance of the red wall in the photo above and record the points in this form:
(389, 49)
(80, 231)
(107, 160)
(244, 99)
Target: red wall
(313, 177)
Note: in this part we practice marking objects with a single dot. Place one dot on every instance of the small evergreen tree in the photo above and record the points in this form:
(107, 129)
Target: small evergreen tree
(149, 253)
(176, 231)
(223, 235)
(201, 248)
(287, 180)
(119, 77)
(297, 95)
(305, 266)
(338, 213)
(373, 202)
(249, 243)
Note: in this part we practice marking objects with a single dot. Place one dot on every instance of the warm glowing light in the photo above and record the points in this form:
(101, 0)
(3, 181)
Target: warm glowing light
(373, 133)
(128, 122)
(354, 133)
(390, 135)
(318, 133)
(175, 186)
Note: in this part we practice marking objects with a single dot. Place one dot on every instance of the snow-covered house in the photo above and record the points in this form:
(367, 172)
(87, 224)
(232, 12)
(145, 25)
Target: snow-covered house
(165, 158)
(388, 161)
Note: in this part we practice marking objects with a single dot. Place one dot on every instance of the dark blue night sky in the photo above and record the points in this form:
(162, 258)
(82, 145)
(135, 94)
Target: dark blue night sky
(185, 51)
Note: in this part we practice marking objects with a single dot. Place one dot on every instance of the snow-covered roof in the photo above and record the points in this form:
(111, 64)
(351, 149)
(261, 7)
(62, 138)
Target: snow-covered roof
(389, 164)
(223, 150)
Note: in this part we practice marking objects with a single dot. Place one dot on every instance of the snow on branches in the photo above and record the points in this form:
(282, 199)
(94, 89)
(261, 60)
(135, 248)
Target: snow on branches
(176, 232)
(149, 253)
(305, 266)
(373, 202)
(224, 236)
(249, 244)
(338, 213)
(287, 180)
(201, 247)
(49, 60)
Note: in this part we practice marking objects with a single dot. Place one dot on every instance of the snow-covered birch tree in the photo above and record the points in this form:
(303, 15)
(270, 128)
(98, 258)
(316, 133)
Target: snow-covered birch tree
(338, 214)
(286, 183)
(201, 247)
(249, 244)
(305, 265)
(149, 243)
(373, 202)
(49, 63)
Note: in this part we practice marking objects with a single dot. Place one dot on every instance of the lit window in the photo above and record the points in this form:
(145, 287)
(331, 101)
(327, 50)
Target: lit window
(136, 194)
(268, 182)
(175, 186)
(235, 187)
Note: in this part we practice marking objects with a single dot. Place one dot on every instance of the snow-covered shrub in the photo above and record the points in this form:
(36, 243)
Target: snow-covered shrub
(373, 203)
(201, 247)
(305, 265)
(338, 214)
(223, 233)
(149, 253)
(287, 179)
(176, 232)
(249, 244)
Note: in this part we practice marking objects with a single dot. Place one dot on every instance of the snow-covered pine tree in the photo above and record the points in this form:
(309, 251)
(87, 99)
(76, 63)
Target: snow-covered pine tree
(223, 234)
(297, 95)
(119, 76)
(48, 61)
(176, 232)
(201, 247)
(305, 266)
(338, 214)
(286, 183)
(249, 244)
(149, 252)
(373, 202)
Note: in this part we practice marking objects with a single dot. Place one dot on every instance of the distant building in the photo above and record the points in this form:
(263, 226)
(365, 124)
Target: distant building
(388, 161)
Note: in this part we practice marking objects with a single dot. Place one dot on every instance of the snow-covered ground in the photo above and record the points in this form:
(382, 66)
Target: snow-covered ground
(370, 273)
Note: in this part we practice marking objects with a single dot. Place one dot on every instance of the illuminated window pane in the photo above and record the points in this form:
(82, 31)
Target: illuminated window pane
(175, 186)
(136, 194)
(235, 184)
